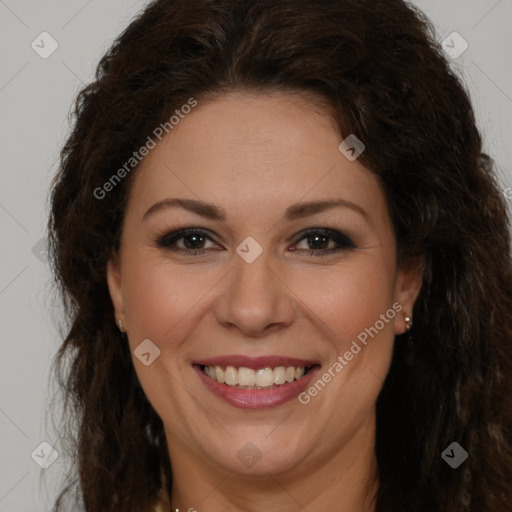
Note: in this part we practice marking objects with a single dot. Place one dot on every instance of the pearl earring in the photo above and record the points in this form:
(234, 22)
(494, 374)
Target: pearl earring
(408, 322)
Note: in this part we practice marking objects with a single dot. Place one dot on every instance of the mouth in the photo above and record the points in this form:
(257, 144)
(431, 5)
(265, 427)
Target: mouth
(256, 383)
(261, 378)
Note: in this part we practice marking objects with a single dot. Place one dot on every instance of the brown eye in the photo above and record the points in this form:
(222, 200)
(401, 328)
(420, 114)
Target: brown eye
(193, 241)
(319, 240)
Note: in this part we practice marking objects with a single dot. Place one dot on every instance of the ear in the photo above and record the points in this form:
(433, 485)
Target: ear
(114, 282)
(407, 288)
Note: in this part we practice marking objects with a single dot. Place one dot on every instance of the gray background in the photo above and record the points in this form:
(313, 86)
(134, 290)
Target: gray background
(35, 98)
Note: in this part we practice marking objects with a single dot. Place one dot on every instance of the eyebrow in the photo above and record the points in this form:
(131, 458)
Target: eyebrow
(213, 212)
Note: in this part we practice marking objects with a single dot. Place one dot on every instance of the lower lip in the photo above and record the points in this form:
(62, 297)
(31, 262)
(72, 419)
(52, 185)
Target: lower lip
(257, 398)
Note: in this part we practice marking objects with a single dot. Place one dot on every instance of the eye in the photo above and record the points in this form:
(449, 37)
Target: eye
(319, 240)
(192, 241)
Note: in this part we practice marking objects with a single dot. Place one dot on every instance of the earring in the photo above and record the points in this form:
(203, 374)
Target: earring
(409, 342)
(120, 322)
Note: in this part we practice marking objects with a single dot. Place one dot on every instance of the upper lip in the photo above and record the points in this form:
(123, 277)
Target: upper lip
(255, 362)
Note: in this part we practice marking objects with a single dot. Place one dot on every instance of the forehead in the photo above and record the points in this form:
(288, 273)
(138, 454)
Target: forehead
(259, 149)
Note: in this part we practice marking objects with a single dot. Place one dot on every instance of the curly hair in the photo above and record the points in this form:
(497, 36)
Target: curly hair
(377, 64)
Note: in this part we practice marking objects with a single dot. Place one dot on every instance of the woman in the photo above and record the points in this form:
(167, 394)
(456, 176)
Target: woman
(286, 265)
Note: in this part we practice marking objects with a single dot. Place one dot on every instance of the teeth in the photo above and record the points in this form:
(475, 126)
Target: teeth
(231, 376)
(279, 375)
(247, 378)
(219, 373)
(264, 377)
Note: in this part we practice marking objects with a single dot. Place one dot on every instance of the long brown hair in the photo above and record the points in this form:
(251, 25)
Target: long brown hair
(377, 64)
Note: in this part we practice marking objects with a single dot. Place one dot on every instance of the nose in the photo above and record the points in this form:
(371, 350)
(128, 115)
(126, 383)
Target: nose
(254, 299)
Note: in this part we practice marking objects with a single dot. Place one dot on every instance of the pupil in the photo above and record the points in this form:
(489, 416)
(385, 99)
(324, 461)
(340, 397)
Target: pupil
(193, 245)
(317, 241)
(316, 238)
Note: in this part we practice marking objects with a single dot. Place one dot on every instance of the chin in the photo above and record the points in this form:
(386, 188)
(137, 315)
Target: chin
(259, 453)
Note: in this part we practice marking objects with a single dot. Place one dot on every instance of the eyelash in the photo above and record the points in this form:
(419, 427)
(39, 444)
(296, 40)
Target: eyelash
(165, 240)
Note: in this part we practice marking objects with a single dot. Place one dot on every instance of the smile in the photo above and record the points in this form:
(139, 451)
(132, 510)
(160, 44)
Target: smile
(262, 378)
(256, 382)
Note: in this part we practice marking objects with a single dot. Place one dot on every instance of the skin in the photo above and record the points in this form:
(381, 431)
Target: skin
(254, 155)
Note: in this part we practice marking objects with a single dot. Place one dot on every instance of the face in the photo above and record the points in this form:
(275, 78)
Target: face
(288, 261)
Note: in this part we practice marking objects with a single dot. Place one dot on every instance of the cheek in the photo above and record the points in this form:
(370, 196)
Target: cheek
(160, 296)
(349, 300)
